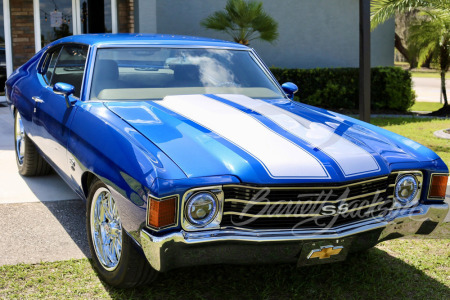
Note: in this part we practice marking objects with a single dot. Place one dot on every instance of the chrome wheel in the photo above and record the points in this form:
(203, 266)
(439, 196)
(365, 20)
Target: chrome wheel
(19, 135)
(106, 229)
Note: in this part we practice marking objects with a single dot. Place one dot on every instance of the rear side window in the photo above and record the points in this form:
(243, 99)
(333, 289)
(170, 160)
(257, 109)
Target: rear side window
(70, 66)
(49, 65)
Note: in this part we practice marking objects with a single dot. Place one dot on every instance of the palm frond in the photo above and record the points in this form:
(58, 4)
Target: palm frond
(217, 21)
(430, 36)
(243, 21)
(266, 26)
(382, 10)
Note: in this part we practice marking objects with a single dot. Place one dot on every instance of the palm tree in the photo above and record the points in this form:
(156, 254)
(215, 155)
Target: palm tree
(243, 21)
(383, 10)
(431, 36)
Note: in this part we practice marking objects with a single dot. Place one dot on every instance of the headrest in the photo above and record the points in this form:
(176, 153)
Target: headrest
(106, 69)
(190, 73)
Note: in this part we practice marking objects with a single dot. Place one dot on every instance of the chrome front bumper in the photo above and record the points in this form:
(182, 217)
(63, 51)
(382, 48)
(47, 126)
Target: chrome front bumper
(233, 246)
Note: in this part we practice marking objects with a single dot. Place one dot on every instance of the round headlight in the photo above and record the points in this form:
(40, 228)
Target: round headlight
(201, 208)
(406, 189)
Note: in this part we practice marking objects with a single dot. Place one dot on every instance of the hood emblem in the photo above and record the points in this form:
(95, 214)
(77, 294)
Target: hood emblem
(72, 164)
(325, 252)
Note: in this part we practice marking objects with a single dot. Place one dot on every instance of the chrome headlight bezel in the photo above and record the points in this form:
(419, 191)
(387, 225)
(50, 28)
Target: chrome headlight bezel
(217, 193)
(209, 216)
(399, 189)
(417, 176)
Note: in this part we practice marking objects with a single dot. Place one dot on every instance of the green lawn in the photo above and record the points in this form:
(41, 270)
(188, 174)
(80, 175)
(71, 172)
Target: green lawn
(407, 268)
(422, 72)
(429, 74)
(426, 106)
(398, 269)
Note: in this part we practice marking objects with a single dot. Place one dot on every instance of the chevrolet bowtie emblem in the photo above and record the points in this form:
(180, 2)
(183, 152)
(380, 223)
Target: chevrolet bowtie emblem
(325, 252)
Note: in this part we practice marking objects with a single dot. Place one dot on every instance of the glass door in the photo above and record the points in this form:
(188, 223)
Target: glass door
(55, 20)
(96, 16)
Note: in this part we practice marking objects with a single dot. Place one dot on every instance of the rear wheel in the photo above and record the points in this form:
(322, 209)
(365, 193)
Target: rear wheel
(114, 255)
(29, 161)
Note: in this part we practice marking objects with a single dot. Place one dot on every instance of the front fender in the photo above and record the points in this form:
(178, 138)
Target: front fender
(102, 144)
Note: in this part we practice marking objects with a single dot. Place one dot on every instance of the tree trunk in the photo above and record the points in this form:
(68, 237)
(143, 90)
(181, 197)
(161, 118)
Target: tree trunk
(444, 89)
(403, 50)
(444, 61)
(427, 63)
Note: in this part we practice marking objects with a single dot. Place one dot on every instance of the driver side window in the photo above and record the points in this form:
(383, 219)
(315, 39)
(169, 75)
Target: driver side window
(49, 64)
(70, 66)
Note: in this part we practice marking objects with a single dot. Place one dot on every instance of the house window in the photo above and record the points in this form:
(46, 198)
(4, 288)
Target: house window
(55, 19)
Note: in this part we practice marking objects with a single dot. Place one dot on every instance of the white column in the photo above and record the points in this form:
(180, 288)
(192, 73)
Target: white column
(77, 15)
(37, 25)
(74, 17)
(114, 20)
(8, 40)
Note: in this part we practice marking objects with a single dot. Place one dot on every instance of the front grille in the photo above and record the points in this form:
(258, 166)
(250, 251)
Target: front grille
(252, 207)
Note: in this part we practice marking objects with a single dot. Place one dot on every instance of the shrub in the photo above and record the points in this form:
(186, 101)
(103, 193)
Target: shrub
(391, 87)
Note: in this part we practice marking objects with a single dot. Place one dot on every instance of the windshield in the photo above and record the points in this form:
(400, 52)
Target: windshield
(153, 73)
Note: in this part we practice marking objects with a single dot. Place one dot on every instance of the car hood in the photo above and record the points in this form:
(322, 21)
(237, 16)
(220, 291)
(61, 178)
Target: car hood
(267, 141)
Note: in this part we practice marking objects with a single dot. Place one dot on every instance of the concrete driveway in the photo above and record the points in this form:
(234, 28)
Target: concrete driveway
(41, 218)
(429, 89)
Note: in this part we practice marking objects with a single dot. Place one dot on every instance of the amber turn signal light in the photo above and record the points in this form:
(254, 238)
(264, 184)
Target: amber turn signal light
(438, 186)
(162, 213)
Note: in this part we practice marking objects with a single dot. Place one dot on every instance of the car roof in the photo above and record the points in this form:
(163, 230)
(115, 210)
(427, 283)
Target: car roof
(129, 39)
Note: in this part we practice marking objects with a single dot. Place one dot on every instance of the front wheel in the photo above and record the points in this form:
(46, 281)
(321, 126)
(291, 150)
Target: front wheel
(113, 253)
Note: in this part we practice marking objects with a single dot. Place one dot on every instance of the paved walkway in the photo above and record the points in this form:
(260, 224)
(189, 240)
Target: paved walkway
(46, 231)
(17, 189)
(429, 89)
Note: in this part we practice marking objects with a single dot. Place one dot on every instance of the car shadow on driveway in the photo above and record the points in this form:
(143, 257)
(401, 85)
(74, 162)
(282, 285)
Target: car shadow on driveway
(41, 232)
(71, 215)
(373, 274)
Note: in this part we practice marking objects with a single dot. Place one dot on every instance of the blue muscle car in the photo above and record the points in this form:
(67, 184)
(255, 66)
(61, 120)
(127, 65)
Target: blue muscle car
(188, 152)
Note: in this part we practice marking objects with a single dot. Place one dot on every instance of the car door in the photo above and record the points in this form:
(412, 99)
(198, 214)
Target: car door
(52, 116)
(44, 76)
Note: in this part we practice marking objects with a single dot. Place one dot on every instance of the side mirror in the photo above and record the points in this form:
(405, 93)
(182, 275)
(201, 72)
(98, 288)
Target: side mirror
(290, 89)
(65, 89)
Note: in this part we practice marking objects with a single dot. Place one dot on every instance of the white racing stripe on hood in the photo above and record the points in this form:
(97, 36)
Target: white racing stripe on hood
(352, 159)
(280, 156)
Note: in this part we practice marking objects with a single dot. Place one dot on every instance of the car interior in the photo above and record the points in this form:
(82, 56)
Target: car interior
(121, 81)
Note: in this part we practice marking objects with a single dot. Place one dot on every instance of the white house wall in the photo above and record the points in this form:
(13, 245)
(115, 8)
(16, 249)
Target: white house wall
(313, 33)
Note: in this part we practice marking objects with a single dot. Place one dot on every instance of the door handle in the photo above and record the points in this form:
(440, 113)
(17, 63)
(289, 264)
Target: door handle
(37, 99)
